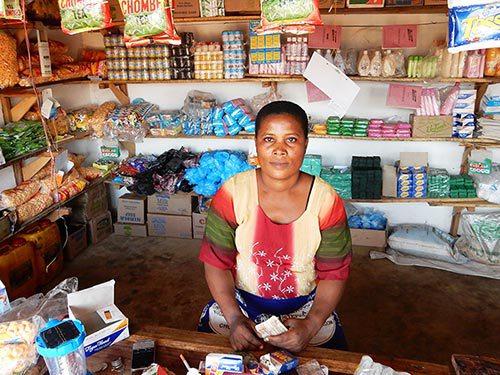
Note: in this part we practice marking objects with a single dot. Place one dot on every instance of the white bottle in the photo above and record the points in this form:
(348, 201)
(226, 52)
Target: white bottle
(376, 65)
(388, 64)
(364, 65)
(318, 51)
(328, 56)
(338, 61)
(304, 47)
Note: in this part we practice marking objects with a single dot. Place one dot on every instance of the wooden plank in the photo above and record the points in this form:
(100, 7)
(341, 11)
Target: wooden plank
(120, 95)
(20, 109)
(481, 89)
(472, 364)
(6, 109)
(171, 342)
(455, 220)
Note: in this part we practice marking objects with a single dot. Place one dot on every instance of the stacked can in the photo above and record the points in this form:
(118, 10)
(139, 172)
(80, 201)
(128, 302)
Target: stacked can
(116, 57)
(182, 58)
(208, 61)
(234, 54)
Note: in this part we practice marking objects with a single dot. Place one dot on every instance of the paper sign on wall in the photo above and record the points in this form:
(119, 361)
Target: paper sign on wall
(400, 36)
(404, 96)
(325, 37)
(314, 94)
(328, 78)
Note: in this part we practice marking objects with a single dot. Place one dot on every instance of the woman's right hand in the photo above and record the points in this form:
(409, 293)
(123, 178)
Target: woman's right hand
(242, 334)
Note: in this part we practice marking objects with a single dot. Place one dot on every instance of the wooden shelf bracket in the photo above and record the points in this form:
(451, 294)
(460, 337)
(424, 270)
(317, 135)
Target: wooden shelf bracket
(120, 91)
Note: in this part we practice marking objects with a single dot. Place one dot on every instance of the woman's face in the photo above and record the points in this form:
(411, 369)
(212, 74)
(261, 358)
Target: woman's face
(281, 145)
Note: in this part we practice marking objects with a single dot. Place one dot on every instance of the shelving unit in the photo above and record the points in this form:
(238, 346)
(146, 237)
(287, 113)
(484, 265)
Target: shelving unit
(120, 90)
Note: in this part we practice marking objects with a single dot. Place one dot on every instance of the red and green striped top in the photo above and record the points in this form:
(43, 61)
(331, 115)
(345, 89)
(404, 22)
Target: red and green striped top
(277, 260)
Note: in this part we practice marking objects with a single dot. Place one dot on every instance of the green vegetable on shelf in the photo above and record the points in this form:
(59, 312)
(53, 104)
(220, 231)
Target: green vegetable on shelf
(21, 137)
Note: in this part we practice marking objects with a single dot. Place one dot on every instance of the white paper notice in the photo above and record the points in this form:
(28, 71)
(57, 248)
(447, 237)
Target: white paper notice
(329, 79)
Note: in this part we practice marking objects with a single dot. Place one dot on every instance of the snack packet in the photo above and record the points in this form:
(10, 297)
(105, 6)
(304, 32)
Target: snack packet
(78, 16)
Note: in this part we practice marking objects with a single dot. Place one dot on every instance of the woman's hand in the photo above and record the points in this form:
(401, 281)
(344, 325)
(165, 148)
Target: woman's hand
(242, 336)
(299, 334)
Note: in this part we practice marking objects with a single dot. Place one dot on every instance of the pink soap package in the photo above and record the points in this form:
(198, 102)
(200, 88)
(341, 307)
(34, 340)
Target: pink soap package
(381, 129)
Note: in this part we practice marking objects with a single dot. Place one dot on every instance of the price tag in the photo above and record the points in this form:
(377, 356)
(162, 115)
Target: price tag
(400, 36)
(325, 37)
(404, 96)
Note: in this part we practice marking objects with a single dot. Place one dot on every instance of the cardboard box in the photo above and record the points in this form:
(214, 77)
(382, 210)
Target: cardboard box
(100, 227)
(365, 3)
(400, 3)
(169, 226)
(186, 8)
(132, 209)
(199, 224)
(104, 323)
(369, 237)
(89, 205)
(389, 181)
(432, 126)
(413, 159)
(77, 241)
(238, 6)
(177, 204)
(326, 4)
(131, 230)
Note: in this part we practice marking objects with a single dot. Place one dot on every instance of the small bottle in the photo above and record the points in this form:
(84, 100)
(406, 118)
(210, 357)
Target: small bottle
(419, 66)
(338, 61)
(491, 62)
(482, 63)
(293, 49)
(328, 55)
(461, 63)
(288, 45)
(388, 64)
(304, 46)
(446, 64)
(455, 62)
(364, 64)
(376, 65)
(320, 52)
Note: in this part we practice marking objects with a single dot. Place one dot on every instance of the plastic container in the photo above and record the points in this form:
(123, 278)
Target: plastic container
(60, 343)
(17, 268)
(46, 237)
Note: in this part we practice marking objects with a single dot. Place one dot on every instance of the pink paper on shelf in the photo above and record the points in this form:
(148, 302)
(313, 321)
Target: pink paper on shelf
(314, 94)
(325, 37)
(400, 36)
(404, 96)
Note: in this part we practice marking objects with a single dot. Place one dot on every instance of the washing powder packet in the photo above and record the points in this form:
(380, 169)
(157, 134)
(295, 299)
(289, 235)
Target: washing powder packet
(473, 24)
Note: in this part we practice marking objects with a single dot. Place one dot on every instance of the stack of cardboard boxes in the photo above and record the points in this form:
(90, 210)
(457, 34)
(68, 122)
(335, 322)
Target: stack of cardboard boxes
(90, 220)
(157, 215)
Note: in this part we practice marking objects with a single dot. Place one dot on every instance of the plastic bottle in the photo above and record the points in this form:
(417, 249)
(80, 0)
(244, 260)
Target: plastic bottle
(446, 64)
(455, 58)
(364, 65)
(388, 65)
(305, 47)
(338, 60)
(461, 63)
(418, 66)
(482, 63)
(472, 66)
(491, 62)
(320, 52)
(411, 67)
(328, 55)
(376, 65)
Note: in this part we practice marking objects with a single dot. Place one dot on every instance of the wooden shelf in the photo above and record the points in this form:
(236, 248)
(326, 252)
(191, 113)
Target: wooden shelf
(448, 202)
(65, 140)
(481, 141)
(53, 208)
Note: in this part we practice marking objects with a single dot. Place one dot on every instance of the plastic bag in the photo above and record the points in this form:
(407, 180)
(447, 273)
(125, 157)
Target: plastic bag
(148, 22)
(368, 367)
(261, 100)
(294, 16)
(480, 240)
(84, 15)
(488, 186)
(8, 61)
(471, 25)
(17, 345)
(424, 241)
(368, 219)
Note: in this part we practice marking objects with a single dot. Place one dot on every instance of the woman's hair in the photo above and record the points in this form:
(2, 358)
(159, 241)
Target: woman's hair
(283, 107)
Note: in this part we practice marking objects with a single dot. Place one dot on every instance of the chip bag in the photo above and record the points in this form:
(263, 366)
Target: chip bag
(13, 10)
(295, 16)
(78, 16)
(148, 22)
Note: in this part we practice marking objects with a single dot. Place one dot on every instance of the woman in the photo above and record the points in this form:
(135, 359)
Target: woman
(277, 243)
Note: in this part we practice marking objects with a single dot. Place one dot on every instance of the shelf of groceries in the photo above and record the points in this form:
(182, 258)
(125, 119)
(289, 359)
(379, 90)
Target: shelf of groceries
(68, 138)
(22, 91)
(19, 227)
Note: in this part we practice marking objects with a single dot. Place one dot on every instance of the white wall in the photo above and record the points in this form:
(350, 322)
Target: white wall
(370, 103)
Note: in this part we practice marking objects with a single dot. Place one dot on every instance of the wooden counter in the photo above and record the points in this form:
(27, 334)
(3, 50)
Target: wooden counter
(170, 343)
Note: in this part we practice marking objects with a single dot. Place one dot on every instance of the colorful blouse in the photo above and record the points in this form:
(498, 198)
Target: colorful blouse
(276, 260)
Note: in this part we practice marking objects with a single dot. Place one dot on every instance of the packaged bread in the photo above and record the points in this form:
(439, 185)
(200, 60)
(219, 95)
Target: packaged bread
(8, 61)
(90, 173)
(33, 207)
(20, 194)
(97, 120)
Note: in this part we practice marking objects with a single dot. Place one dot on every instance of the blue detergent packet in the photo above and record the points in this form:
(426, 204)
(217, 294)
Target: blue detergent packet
(474, 26)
